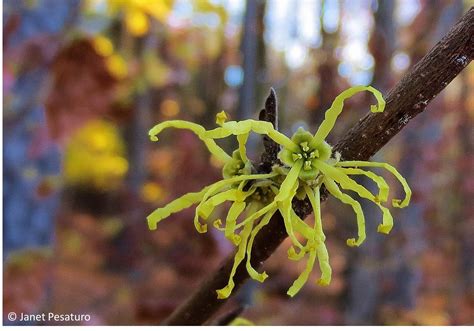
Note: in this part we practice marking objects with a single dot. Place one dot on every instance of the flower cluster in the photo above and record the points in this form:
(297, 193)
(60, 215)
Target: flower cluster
(308, 165)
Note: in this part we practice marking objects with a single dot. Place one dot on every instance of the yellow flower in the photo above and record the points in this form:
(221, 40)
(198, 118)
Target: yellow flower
(308, 164)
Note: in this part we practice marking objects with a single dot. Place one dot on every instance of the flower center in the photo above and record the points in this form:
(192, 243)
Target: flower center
(263, 194)
(239, 168)
(306, 154)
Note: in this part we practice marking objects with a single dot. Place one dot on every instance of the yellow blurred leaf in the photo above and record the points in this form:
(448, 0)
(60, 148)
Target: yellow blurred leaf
(117, 66)
(136, 21)
(103, 46)
(95, 156)
(159, 10)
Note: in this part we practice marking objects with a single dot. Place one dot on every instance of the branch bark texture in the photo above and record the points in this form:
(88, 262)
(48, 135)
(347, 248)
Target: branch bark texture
(406, 100)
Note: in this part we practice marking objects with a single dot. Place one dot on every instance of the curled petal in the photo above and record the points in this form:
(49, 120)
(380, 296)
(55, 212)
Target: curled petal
(230, 223)
(321, 250)
(336, 192)
(395, 202)
(225, 292)
(175, 206)
(284, 201)
(285, 196)
(319, 237)
(303, 277)
(252, 272)
(305, 230)
(247, 126)
(315, 200)
(285, 210)
(218, 225)
(381, 183)
(326, 271)
(336, 108)
(216, 187)
(199, 130)
(302, 227)
(256, 215)
(294, 255)
(205, 209)
(289, 183)
(242, 139)
(345, 181)
(387, 221)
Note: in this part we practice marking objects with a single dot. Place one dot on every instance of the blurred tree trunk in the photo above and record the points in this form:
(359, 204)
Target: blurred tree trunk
(423, 27)
(326, 72)
(465, 185)
(253, 53)
(382, 45)
(210, 84)
(137, 128)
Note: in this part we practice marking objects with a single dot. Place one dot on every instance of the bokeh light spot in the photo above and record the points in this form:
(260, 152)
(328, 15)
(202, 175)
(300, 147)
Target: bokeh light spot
(234, 76)
(400, 61)
(169, 108)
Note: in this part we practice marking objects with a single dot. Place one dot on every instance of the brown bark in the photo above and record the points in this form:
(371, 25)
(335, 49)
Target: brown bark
(407, 99)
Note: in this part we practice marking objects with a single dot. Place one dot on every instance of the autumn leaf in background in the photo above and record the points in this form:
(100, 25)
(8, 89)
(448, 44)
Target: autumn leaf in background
(82, 89)
(115, 62)
(95, 156)
(137, 13)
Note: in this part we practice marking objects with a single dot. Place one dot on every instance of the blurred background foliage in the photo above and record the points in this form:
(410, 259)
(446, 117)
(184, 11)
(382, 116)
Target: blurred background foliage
(83, 81)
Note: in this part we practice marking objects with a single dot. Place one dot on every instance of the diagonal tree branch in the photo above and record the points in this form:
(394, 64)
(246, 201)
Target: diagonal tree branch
(407, 99)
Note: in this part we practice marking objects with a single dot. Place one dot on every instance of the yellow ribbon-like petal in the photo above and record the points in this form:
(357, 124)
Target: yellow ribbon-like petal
(336, 192)
(347, 183)
(175, 206)
(379, 181)
(216, 187)
(252, 272)
(395, 202)
(336, 108)
(230, 223)
(199, 130)
(239, 256)
(303, 277)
